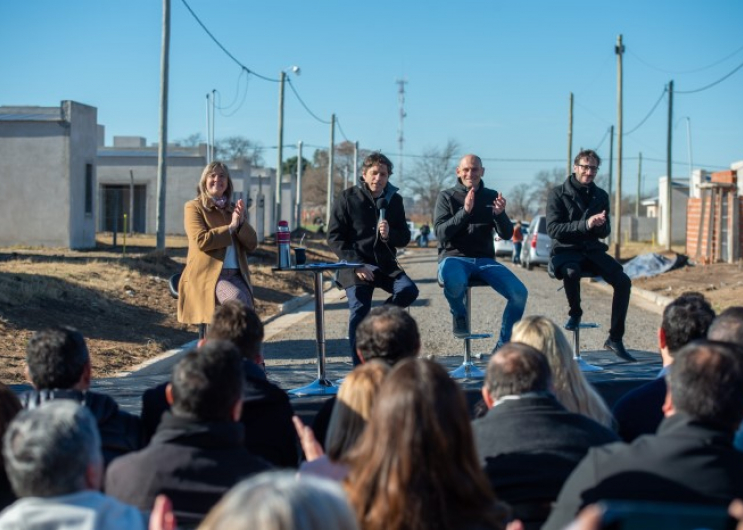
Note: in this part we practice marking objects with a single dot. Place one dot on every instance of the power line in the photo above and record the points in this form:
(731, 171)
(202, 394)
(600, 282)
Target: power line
(665, 89)
(291, 85)
(241, 65)
(234, 102)
(338, 123)
(602, 140)
(711, 84)
(685, 71)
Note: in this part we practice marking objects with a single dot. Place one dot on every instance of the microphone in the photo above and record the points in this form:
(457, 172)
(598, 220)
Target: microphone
(382, 207)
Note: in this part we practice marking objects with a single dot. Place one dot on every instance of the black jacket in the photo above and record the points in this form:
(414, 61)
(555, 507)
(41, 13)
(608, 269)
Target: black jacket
(194, 463)
(529, 446)
(120, 431)
(686, 462)
(465, 234)
(640, 411)
(266, 415)
(353, 235)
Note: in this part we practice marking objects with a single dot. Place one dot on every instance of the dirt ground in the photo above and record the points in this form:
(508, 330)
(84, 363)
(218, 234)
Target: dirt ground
(120, 302)
(122, 305)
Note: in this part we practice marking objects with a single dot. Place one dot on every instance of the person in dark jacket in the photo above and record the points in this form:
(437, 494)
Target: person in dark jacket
(691, 459)
(266, 411)
(367, 226)
(464, 220)
(685, 319)
(58, 367)
(198, 451)
(577, 220)
(528, 443)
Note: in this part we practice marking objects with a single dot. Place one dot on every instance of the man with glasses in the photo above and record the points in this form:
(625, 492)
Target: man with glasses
(577, 221)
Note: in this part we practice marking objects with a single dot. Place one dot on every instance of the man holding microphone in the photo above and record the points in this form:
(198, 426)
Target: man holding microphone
(368, 225)
(464, 221)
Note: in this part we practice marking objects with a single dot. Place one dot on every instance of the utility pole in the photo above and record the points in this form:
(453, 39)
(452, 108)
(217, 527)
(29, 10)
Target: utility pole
(401, 137)
(570, 136)
(280, 149)
(162, 148)
(331, 156)
(299, 184)
(669, 188)
(619, 49)
(355, 162)
(639, 184)
(611, 168)
(208, 131)
(131, 201)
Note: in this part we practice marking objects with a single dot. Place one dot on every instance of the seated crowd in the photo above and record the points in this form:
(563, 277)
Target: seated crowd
(218, 447)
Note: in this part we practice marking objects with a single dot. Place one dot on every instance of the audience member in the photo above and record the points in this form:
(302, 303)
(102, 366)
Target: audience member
(388, 334)
(415, 465)
(54, 462)
(282, 501)
(528, 443)
(198, 451)
(347, 421)
(569, 385)
(58, 366)
(9, 407)
(266, 412)
(728, 327)
(640, 411)
(690, 460)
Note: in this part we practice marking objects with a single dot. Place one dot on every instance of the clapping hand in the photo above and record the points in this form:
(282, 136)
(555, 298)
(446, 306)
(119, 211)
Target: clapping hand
(239, 215)
(469, 200)
(597, 220)
(499, 204)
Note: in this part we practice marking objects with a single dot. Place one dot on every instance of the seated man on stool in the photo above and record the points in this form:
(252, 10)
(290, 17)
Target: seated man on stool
(577, 219)
(465, 217)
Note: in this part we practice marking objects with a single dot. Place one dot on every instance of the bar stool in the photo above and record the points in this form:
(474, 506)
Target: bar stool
(468, 370)
(582, 363)
(173, 286)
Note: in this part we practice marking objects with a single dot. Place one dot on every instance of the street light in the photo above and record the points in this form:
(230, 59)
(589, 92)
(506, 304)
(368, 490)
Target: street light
(277, 203)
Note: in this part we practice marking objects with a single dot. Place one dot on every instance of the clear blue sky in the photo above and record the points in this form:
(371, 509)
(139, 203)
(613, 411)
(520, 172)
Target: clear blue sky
(493, 75)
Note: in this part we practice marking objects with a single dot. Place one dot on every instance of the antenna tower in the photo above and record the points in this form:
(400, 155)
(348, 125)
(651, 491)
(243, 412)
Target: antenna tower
(401, 136)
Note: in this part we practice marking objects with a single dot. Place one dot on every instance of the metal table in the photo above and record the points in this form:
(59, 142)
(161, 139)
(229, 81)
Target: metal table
(321, 386)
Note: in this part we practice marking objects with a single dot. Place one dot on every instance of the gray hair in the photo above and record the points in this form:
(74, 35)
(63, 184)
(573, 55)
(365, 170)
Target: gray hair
(279, 500)
(48, 449)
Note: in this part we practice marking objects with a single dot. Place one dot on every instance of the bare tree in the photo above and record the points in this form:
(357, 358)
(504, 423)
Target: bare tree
(234, 147)
(519, 204)
(432, 173)
(544, 181)
(192, 140)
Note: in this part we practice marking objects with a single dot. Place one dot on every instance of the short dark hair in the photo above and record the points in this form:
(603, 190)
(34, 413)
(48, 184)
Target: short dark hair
(728, 326)
(207, 382)
(517, 368)
(706, 382)
(685, 319)
(235, 322)
(376, 159)
(388, 333)
(56, 357)
(587, 153)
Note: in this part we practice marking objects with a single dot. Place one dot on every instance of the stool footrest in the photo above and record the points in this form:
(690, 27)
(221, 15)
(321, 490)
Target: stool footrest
(588, 325)
(467, 370)
(477, 336)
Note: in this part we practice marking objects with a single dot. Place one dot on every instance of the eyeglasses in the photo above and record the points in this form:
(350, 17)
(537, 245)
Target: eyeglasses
(588, 168)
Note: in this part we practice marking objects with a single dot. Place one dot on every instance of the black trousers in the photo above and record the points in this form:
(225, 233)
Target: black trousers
(599, 264)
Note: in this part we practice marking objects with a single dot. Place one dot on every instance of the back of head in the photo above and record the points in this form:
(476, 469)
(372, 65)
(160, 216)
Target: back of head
(388, 333)
(353, 407)
(208, 382)
(516, 369)
(415, 465)
(706, 382)
(240, 325)
(48, 449)
(281, 500)
(728, 326)
(685, 319)
(56, 358)
(9, 407)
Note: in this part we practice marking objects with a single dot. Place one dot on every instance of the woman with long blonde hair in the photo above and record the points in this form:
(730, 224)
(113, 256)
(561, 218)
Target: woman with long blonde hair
(570, 385)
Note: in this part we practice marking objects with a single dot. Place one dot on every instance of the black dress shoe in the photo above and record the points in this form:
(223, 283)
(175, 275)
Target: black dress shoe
(459, 327)
(572, 324)
(619, 350)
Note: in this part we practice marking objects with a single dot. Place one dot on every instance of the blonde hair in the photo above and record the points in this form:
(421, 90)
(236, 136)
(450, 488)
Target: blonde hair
(212, 167)
(569, 385)
(353, 407)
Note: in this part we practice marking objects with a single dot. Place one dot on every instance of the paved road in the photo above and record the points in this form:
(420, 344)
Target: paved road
(291, 353)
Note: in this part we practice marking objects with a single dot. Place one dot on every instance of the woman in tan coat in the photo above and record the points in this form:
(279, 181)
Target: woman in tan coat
(219, 239)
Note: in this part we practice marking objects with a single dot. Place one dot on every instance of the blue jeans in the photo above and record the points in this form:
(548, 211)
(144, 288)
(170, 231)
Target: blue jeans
(454, 274)
(403, 291)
